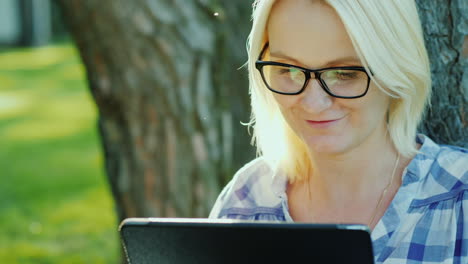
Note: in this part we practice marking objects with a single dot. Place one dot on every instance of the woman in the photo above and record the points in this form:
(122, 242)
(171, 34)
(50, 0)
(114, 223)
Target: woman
(338, 89)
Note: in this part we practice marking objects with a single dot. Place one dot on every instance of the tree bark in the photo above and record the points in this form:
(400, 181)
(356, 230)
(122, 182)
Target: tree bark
(164, 75)
(445, 24)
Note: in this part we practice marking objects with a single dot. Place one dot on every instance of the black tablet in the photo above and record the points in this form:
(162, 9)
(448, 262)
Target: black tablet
(209, 241)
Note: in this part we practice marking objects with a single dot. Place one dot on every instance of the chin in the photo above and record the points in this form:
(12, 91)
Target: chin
(328, 144)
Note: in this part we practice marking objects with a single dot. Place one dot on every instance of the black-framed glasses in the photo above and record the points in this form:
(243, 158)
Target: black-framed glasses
(342, 82)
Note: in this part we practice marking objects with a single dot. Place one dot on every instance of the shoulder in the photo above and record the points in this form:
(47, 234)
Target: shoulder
(453, 161)
(449, 165)
(443, 171)
(249, 191)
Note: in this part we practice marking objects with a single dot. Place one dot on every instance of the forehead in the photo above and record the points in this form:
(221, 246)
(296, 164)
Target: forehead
(308, 31)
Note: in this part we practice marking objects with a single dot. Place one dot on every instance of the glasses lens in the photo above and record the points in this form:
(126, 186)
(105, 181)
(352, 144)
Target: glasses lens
(347, 83)
(284, 79)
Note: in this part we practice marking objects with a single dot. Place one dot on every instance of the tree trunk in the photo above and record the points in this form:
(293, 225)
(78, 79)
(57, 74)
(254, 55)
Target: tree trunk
(445, 24)
(164, 75)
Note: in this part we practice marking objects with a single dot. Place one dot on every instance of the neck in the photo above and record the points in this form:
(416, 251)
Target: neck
(356, 174)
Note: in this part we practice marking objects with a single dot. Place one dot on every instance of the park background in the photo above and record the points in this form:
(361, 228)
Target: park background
(91, 97)
(55, 202)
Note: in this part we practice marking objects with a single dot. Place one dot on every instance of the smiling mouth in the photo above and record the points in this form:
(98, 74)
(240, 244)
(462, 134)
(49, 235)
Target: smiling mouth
(323, 123)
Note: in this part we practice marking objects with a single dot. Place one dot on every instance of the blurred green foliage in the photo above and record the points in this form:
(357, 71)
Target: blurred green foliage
(55, 203)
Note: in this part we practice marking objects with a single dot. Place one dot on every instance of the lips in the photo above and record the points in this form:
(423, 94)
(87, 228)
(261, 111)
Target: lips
(323, 123)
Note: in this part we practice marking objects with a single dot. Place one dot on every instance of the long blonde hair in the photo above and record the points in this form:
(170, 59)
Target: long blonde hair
(387, 37)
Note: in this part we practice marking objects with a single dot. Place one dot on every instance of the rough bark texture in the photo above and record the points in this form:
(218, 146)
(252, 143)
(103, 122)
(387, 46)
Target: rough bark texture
(164, 75)
(445, 24)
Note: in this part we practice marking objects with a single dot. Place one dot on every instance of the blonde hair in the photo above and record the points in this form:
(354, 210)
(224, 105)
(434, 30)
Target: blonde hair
(387, 37)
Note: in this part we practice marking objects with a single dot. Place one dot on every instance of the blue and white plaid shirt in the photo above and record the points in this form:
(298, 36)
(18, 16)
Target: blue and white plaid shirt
(427, 221)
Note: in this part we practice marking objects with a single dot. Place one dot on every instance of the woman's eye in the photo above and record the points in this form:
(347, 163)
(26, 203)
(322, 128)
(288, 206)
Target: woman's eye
(345, 75)
(287, 71)
(294, 72)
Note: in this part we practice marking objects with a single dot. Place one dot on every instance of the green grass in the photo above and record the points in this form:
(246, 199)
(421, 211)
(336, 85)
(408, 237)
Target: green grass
(55, 203)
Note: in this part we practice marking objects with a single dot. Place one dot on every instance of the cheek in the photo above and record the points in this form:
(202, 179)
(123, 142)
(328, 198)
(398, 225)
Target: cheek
(288, 105)
(285, 101)
(376, 105)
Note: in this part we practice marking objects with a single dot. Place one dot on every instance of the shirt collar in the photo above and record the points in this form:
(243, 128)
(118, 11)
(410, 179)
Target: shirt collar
(426, 155)
(279, 181)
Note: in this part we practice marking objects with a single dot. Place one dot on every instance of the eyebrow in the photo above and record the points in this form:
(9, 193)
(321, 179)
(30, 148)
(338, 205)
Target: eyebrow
(348, 59)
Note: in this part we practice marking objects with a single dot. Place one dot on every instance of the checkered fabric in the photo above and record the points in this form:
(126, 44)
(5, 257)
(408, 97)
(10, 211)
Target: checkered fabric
(426, 222)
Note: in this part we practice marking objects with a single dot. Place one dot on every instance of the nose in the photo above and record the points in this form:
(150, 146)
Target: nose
(314, 98)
